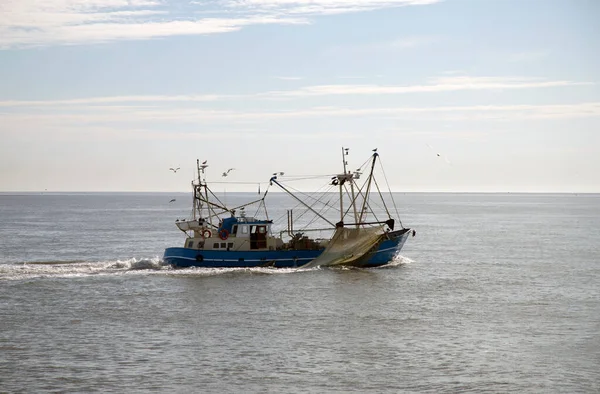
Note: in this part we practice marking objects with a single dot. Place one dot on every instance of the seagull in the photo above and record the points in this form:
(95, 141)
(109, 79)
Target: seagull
(437, 154)
(174, 169)
(204, 162)
(172, 201)
(228, 171)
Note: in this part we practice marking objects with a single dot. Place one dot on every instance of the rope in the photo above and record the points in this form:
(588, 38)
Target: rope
(390, 190)
(382, 200)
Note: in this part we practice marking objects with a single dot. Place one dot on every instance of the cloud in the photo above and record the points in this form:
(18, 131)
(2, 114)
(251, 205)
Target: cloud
(124, 115)
(435, 85)
(102, 32)
(443, 84)
(114, 99)
(26, 23)
(324, 7)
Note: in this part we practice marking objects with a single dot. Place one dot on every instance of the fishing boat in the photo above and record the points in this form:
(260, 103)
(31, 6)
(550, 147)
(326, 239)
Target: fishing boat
(221, 236)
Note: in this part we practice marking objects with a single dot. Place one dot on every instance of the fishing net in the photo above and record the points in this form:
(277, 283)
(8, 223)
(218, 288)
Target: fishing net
(348, 246)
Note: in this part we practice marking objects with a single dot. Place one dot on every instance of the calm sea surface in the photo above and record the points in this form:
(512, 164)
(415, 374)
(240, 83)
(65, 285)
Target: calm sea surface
(497, 293)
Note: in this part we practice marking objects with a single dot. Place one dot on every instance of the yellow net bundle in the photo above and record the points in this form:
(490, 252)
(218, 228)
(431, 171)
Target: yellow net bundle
(348, 246)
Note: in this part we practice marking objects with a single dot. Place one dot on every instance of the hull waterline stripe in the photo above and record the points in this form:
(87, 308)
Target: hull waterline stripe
(245, 260)
(262, 260)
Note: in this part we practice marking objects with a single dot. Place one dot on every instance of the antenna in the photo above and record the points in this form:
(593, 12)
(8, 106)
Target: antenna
(344, 154)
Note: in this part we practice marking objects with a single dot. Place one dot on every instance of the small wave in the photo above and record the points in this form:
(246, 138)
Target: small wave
(77, 268)
(142, 266)
(203, 271)
(398, 261)
(52, 262)
(139, 264)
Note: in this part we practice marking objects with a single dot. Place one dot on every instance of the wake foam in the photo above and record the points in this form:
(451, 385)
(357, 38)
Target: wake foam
(141, 264)
(398, 261)
(77, 268)
(202, 271)
(134, 266)
(145, 266)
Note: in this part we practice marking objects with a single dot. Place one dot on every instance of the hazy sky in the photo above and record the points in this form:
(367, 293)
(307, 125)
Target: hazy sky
(106, 95)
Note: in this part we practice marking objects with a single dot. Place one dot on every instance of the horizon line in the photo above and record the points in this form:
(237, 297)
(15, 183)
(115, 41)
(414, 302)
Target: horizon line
(278, 191)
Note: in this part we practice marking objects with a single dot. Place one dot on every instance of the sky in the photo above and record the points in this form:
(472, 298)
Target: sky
(456, 95)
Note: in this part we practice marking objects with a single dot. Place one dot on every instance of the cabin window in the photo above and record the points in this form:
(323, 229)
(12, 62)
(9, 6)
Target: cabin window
(223, 245)
(262, 229)
(190, 243)
(234, 229)
(244, 229)
(230, 245)
(216, 245)
(252, 229)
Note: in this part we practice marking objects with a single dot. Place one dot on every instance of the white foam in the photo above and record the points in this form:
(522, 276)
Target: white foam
(203, 271)
(133, 266)
(138, 266)
(73, 269)
(399, 260)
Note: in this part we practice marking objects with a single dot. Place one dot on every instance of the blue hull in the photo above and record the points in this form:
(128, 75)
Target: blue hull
(184, 257)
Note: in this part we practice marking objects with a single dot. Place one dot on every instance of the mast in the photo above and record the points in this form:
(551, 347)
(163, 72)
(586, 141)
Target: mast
(201, 191)
(362, 210)
(197, 208)
(344, 162)
(210, 211)
(348, 177)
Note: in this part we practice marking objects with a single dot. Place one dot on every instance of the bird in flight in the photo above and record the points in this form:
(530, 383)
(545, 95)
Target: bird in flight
(172, 201)
(228, 171)
(437, 154)
(174, 169)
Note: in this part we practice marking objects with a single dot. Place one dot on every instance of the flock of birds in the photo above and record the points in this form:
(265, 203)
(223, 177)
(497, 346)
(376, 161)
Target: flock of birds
(204, 165)
(226, 173)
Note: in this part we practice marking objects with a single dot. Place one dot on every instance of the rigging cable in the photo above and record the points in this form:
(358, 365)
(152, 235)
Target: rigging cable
(299, 204)
(317, 200)
(382, 199)
(390, 190)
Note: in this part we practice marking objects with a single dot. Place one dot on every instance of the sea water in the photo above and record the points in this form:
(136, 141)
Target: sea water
(496, 293)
